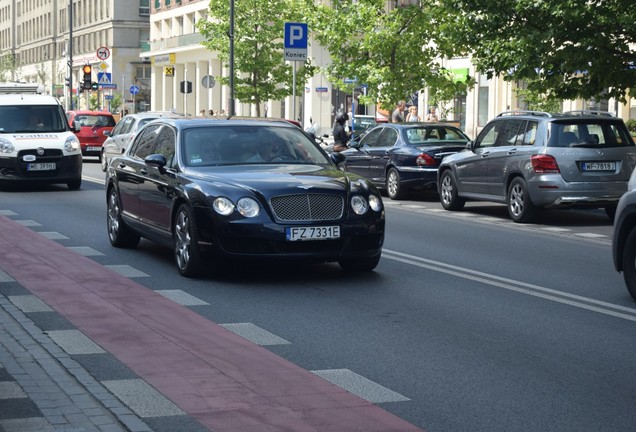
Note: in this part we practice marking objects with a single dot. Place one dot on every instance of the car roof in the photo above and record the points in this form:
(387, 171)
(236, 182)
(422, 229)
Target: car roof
(85, 112)
(575, 114)
(27, 99)
(189, 122)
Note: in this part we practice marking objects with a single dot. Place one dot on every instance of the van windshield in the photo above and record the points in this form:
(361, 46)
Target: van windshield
(32, 119)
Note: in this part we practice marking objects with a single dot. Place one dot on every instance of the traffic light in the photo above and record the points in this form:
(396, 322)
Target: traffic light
(88, 77)
(94, 86)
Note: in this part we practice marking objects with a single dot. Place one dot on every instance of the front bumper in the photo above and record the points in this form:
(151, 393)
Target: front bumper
(67, 168)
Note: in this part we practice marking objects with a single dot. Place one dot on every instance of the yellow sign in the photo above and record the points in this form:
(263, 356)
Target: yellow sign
(168, 71)
(103, 66)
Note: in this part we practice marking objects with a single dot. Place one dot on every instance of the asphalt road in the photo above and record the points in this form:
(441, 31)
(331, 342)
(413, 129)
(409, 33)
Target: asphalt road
(470, 321)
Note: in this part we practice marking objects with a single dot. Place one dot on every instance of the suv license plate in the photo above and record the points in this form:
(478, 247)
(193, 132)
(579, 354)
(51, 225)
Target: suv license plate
(42, 166)
(598, 166)
(93, 148)
(312, 233)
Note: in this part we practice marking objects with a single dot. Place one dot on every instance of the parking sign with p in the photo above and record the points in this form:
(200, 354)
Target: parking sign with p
(296, 41)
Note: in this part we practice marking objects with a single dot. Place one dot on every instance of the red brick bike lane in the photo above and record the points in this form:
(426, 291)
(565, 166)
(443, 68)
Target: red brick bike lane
(224, 381)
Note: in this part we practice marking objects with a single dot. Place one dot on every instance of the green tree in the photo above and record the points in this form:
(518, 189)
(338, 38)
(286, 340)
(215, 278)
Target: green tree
(7, 67)
(395, 53)
(261, 74)
(565, 48)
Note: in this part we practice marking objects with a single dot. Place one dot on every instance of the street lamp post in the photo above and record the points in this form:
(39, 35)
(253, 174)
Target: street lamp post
(70, 53)
(231, 36)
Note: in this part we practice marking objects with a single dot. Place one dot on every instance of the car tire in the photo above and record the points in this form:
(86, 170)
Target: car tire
(520, 207)
(448, 192)
(610, 211)
(119, 234)
(74, 184)
(360, 264)
(629, 263)
(186, 243)
(103, 161)
(394, 189)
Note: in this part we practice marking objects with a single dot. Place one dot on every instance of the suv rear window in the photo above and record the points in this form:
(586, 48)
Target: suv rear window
(586, 133)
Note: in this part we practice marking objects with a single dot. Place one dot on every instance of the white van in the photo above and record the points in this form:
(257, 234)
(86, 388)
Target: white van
(36, 142)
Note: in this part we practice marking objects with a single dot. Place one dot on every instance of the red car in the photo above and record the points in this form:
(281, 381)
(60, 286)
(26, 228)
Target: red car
(92, 125)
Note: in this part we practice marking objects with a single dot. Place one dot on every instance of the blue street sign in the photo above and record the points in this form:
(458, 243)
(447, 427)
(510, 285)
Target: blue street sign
(108, 86)
(104, 78)
(134, 89)
(296, 36)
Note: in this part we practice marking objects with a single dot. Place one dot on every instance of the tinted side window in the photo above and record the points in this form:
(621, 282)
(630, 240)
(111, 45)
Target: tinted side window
(388, 138)
(372, 137)
(144, 145)
(511, 133)
(165, 143)
(488, 135)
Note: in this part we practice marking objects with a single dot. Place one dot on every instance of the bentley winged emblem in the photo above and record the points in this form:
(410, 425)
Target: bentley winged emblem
(306, 187)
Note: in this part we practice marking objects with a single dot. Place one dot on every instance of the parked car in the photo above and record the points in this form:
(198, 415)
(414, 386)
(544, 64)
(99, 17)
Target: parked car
(215, 190)
(403, 156)
(90, 126)
(118, 139)
(624, 240)
(530, 160)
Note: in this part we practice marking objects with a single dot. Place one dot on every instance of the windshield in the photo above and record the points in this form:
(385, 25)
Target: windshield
(32, 118)
(589, 133)
(434, 135)
(249, 144)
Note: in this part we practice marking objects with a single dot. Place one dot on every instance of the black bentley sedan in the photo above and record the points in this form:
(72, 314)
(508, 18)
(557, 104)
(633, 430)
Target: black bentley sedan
(218, 189)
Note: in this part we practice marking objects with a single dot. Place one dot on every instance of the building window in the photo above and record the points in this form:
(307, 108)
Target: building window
(482, 101)
(144, 7)
(157, 4)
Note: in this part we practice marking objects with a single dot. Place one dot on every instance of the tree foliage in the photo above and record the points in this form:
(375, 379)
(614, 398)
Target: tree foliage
(565, 48)
(261, 74)
(7, 67)
(395, 53)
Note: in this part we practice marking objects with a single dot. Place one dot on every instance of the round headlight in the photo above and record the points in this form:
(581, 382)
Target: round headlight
(71, 145)
(359, 204)
(375, 203)
(6, 146)
(223, 206)
(248, 207)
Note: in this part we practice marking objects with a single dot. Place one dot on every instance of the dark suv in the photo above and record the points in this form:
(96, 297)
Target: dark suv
(529, 160)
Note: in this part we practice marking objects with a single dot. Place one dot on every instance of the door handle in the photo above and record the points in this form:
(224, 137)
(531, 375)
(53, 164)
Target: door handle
(143, 171)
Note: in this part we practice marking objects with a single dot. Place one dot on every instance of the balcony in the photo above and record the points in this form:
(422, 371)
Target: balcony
(177, 42)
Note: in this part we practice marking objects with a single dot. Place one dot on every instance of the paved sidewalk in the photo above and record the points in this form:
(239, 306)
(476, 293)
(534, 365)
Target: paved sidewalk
(83, 348)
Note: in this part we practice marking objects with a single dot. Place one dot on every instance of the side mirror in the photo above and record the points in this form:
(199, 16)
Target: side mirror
(337, 157)
(469, 145)
(76, 126)
(156, 160)
(107, 133)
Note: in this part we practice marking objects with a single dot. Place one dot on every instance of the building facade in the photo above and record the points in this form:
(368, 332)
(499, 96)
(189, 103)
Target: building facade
(154, 46)
(35, 36)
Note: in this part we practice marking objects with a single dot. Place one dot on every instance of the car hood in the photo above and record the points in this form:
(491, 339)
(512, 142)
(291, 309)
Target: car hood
(274, 179)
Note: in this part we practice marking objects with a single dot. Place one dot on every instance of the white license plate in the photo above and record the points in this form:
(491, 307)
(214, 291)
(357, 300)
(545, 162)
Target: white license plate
(598, 166)
(312, 233)
(89, 148)
(41, 166)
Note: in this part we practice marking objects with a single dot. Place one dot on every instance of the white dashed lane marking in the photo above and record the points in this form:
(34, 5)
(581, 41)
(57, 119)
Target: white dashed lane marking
(182, 297)
(52, 235)
(360, 386)
(85, 251)
(255, 334)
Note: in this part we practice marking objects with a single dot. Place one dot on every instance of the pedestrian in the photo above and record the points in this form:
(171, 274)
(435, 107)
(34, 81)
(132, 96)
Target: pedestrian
(398, 113)
(340, 136)
(211, 113)
(412, 115)
(432, 115)
(202, 113)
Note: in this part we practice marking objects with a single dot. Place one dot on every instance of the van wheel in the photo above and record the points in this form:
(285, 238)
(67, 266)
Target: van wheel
(74, 184)
(448, 192)
(520, 207)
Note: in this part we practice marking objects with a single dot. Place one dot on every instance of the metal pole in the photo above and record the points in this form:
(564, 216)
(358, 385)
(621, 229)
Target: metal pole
(294, 93)
(231, 35)
(70, 53)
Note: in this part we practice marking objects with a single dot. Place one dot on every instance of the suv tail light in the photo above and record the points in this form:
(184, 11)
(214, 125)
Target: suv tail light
(544, 164)
(425, 159)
